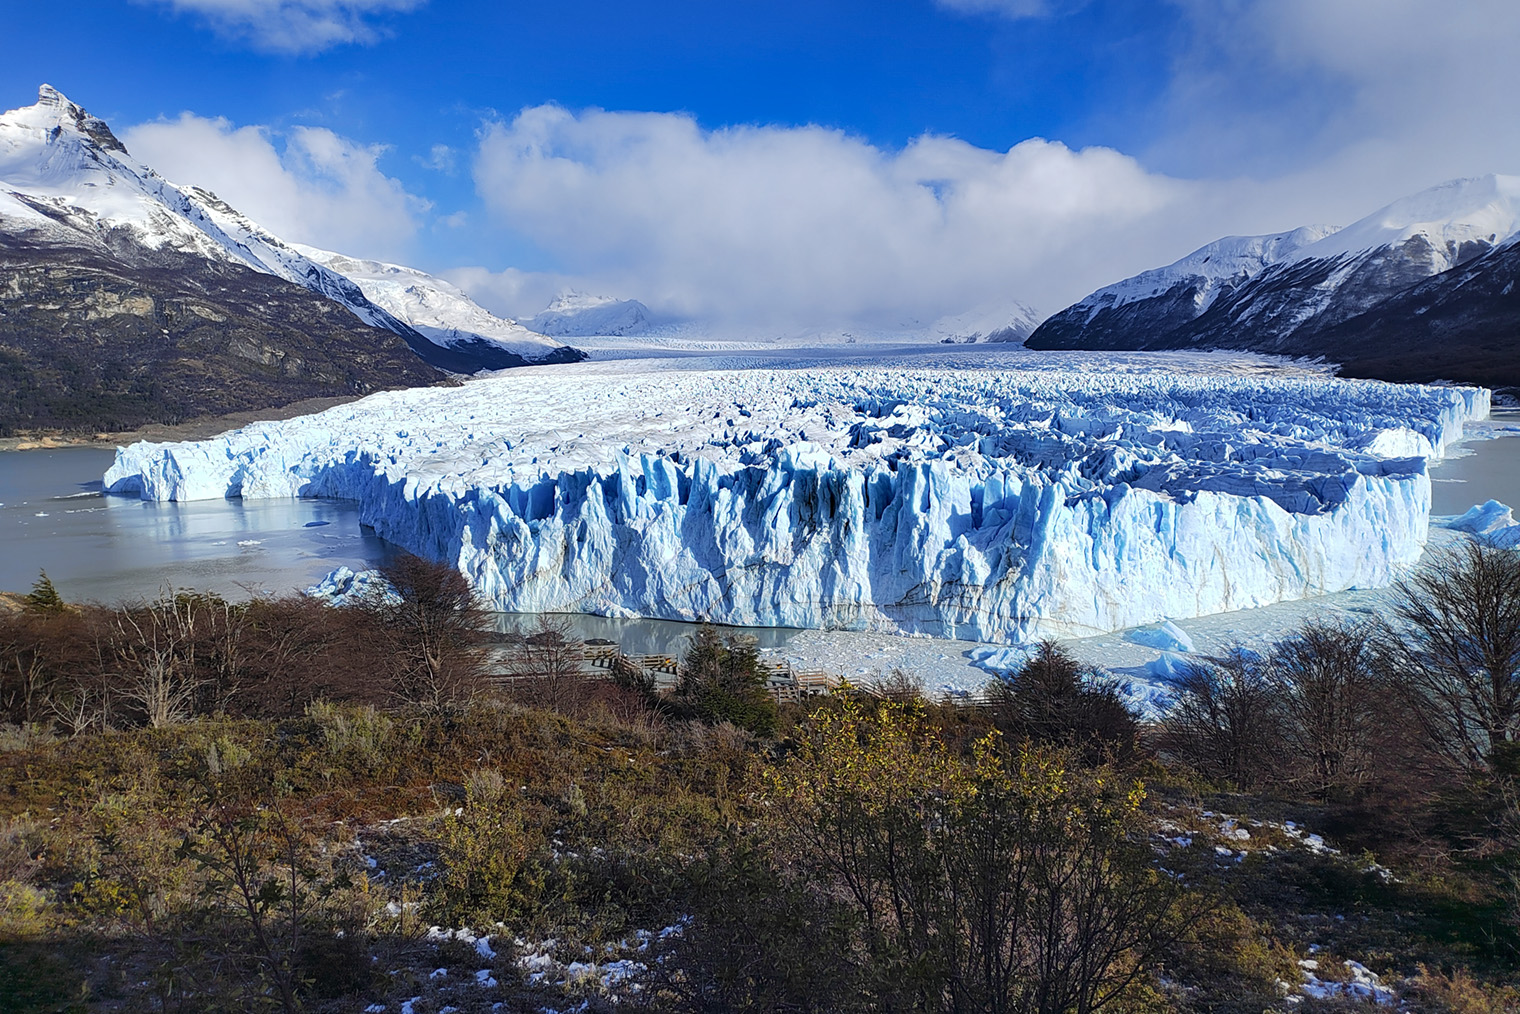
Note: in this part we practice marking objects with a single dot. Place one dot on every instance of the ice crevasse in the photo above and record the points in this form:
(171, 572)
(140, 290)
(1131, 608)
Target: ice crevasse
(983, 504)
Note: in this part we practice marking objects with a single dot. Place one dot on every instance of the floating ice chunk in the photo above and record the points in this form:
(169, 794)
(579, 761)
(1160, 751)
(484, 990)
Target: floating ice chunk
(1166, 636)
(1491, 523)
(1484, 519)
(1170, 667)
(999, 661)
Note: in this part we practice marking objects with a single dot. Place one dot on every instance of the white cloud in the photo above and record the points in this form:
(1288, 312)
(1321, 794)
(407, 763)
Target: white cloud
(295, 26)
(1368, 98)
(809, 224)
(1280, 113)
(515, 293)
(1007, 8)
(321, 189)
(441, 158)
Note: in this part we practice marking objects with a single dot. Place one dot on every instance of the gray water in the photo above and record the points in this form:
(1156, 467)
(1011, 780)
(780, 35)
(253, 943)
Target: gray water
(53, 515)
(1480, 470)
(109, 549)
(100, 548)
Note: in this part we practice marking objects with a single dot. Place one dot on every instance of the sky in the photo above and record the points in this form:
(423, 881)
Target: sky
(788, 163)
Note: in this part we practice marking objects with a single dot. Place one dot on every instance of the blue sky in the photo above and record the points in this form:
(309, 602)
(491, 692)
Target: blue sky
(465, 137)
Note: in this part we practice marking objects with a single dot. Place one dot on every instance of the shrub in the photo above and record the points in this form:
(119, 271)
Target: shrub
(1226, 719)
(1338, 703)
(721, 681)
(434, 631)
(1055, 700)
(995, 882)
(485, 856)
(1459, 654)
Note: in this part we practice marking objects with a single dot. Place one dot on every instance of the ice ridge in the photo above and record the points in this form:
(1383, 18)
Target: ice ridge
(975, 503)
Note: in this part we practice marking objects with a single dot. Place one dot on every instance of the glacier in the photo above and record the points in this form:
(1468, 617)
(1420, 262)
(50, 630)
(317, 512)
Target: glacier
(983, 503)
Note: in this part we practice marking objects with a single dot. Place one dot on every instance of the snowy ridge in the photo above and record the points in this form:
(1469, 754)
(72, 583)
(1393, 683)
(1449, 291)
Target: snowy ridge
(81, 185)
(1450, 218)
(602, 317)
(576, 314)
(1483, 210)
(438, 309)
(1219, 265)
(977, 503)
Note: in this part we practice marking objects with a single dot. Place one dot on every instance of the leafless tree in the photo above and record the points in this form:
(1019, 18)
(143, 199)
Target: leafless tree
(1459, 654)
(1226, 719)
(154, 648)
(435, 631)
(546, 667)
(1055, 699)
(1336, 698)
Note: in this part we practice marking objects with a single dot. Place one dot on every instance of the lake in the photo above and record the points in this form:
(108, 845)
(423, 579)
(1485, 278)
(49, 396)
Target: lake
(1480, 469)
(94, 547)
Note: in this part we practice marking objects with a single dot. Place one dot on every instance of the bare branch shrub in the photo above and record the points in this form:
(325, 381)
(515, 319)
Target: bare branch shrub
(1459, 653)
(1226, 720)
(1337, 701)
(546, 668)
(434, 629)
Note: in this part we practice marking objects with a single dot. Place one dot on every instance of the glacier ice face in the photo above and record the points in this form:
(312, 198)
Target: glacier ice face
(988, 504)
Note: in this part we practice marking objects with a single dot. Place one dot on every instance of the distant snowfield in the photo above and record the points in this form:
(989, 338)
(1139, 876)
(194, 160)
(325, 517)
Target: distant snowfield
(992, 496)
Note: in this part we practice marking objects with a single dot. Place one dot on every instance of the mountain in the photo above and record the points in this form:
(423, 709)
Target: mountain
(1361, 296)
(130, 299)
(576, 314)
(126, 299)
(995, 322)
(444, 315)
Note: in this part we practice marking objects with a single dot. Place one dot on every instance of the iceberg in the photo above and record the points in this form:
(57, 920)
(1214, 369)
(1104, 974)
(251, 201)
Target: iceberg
(1491, 523)
(988, 504)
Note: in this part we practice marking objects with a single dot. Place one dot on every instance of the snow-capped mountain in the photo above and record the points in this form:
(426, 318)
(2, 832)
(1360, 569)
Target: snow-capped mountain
(1299, 293)
(443, 313)
(62, 171)
(132, 299)
(577, 314)
(607, 323)
(65, 178)
(1009, 321)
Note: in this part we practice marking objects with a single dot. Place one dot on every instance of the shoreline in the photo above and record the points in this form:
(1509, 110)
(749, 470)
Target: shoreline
(202, 428)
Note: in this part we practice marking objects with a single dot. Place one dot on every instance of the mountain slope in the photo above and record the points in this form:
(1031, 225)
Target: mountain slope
(444, 315)
(576, 314)
(125, 299)
(1341, 294)
(71, 195)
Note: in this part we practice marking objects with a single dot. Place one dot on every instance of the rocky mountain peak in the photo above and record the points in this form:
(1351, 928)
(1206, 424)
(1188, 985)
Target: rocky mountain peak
(53, 104)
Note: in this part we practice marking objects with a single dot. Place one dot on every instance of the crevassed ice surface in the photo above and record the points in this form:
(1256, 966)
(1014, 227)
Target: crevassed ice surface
(998, 505)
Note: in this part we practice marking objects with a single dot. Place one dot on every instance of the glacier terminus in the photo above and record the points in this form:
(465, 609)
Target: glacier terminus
(1008, 499)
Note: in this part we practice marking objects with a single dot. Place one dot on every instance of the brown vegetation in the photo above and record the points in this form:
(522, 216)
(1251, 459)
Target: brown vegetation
(280, 805)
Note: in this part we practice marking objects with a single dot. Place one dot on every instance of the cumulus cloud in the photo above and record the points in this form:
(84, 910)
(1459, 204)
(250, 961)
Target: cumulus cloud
(813, 224)
(315, 187)
(1363, 99)
(295, 26)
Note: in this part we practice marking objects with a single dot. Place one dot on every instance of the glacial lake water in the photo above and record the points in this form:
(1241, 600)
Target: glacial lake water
(53, 515)
(1480, 470)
